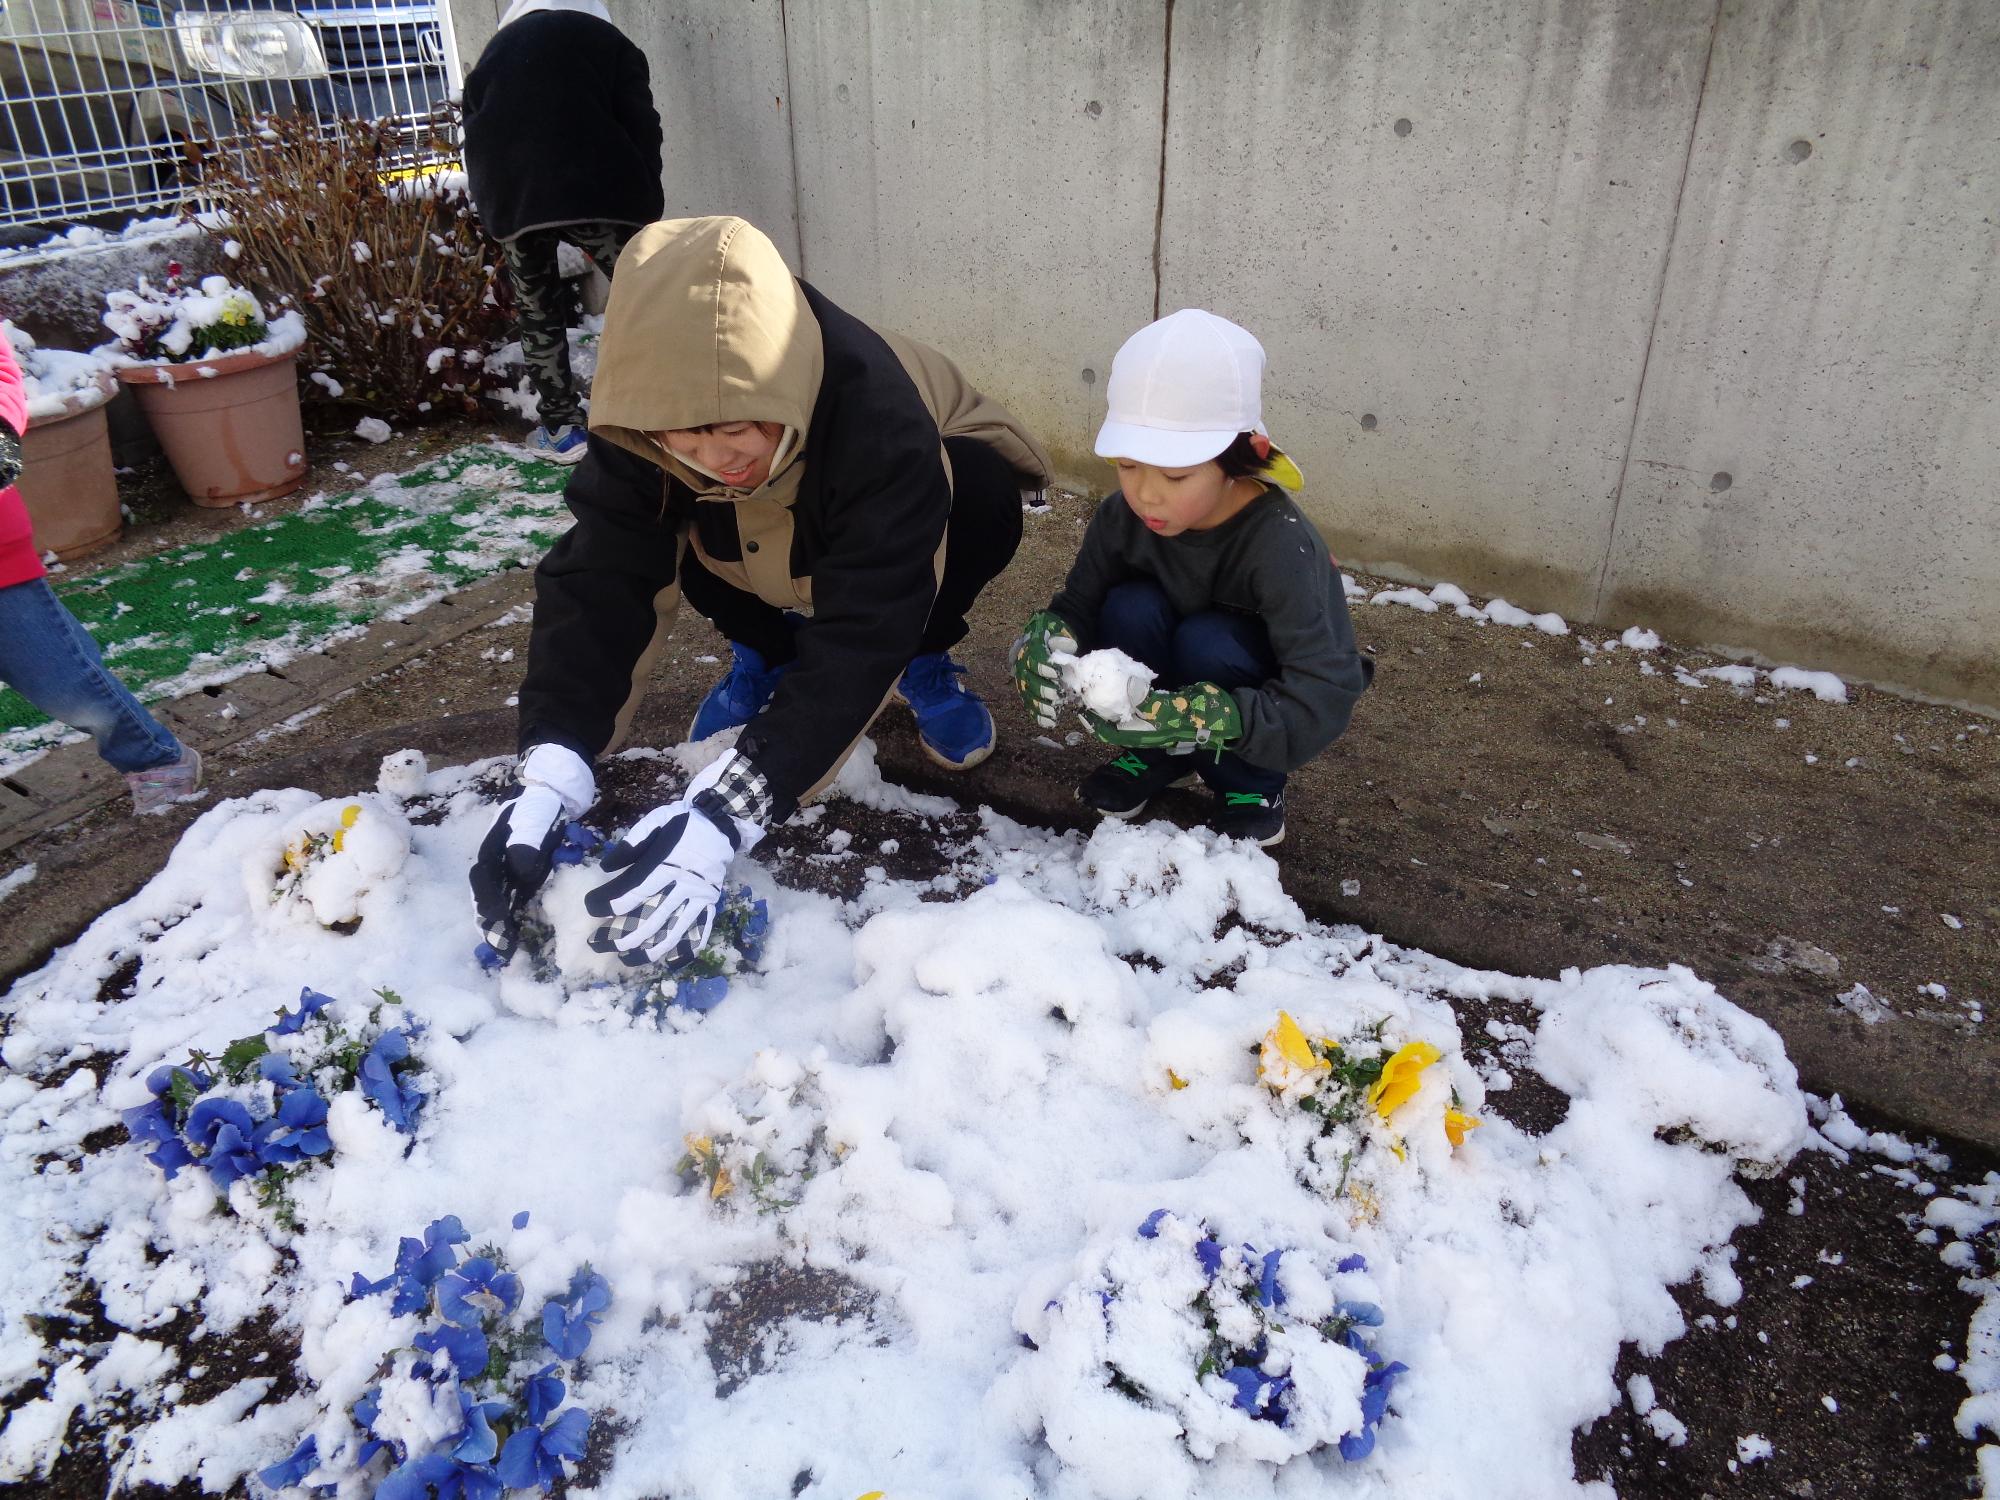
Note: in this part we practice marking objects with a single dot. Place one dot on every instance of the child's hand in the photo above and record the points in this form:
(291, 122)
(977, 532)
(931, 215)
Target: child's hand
(1199, 716)
(1035, 673)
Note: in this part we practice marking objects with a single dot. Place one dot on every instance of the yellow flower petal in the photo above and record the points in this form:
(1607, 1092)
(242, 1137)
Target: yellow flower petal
(1174, 1080)
(350, 815)
(873, 1495)
(1401, 1076)
(1396, 1150)
(1287, 1057)
(723, 1184)
(1457, 1123)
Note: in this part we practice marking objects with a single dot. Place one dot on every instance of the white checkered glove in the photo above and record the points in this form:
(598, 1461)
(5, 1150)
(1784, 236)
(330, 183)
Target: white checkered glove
(519, 848)
(668, 868)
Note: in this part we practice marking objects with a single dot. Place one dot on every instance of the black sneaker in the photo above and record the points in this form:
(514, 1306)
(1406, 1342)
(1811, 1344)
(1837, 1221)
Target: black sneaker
(1121, 788)
(1255, 816)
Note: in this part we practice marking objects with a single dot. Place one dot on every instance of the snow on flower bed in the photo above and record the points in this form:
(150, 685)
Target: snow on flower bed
(181, 325)
(1149, 1183)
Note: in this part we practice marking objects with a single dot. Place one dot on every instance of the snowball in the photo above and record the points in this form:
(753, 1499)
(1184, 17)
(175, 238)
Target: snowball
(1822, 685)
(1109, 682)
(403, 773)
(1638, 638)
(372, 429)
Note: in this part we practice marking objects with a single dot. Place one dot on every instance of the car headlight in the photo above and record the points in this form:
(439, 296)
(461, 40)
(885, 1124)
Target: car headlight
(250, 44)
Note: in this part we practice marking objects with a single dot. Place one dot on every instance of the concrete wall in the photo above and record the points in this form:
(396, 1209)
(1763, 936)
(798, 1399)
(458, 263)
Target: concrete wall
(1672, 311)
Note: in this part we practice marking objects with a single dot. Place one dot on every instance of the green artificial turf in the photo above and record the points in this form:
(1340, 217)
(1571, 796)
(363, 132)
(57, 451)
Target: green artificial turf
(173, 622)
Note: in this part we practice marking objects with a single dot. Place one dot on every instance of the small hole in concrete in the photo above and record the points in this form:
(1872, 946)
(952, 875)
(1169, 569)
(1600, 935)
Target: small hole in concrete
(1404, 127)
(1090, 377)
(1093, 109)
(1368, 421)
(1798, 151)
(841, 93)
(1721, 481)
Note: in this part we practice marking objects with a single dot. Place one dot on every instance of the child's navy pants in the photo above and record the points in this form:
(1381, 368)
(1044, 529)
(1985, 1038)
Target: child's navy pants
(1225, 647)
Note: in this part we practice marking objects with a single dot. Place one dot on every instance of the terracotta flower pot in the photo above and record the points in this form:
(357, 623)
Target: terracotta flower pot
(67, 479)
(233, 436)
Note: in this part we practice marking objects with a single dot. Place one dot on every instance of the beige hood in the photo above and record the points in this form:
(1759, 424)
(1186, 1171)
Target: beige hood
(706, 324)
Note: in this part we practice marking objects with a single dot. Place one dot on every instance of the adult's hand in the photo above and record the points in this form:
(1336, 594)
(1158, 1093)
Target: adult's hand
(1036, 676)
(666, 875)
(519, 849)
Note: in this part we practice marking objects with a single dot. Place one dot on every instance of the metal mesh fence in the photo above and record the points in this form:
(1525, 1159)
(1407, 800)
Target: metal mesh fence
(110, 107)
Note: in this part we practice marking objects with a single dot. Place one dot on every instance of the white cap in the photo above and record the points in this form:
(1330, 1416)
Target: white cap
(1181, 390)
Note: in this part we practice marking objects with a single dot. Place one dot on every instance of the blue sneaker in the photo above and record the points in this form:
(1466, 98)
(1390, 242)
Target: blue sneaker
(564, 446)
(739, 697)
(953, 726)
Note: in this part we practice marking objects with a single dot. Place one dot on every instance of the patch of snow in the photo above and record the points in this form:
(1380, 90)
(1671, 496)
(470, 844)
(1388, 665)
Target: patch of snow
(13, 880)
(373, 430)
(1824, 686)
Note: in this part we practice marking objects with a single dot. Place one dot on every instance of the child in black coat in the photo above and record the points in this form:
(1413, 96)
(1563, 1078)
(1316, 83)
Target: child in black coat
(562, 144)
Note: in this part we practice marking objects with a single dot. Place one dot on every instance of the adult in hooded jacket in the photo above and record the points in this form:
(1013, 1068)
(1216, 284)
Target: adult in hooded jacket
(885, 496)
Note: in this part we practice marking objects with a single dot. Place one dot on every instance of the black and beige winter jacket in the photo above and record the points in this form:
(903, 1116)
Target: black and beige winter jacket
(707, 325)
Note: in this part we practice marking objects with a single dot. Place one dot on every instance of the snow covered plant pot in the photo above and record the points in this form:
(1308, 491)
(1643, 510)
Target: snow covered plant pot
(67, 476)
(217, 379)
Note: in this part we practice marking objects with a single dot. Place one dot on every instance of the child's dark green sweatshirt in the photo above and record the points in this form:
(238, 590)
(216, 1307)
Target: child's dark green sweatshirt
(1267, 561)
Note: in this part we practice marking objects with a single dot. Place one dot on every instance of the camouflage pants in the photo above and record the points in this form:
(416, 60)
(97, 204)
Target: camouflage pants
(542, 303)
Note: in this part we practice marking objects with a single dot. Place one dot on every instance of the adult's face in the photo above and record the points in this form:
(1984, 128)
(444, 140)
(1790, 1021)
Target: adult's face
(737, 453)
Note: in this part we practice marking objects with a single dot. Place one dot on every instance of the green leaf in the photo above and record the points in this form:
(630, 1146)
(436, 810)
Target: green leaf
(182, 1091)
(241, 1055)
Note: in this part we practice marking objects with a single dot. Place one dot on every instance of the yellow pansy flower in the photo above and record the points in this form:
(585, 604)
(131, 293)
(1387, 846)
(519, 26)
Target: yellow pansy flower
(1456, 1123)
(1401, 1077)
(350, 815)
(1287, 1056)
(723, 1184)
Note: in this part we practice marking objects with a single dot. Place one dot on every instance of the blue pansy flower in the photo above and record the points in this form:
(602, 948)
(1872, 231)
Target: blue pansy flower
(152, 1123)
(419, 1264)
(1360, 1314)
(475, 1443)
(1268, 1291)
(756, 923)
(1209, 1253)
(533, 1457)
(398, 1101)
(224, 1130)
(543, 1393)
(282, 1476)
(702, 994)
(163, 1079)
(364, 1412)
(477, 1288)
(579, 841)
(1353, 1263)
(1151, 1228)
(567, 1321)
(466, 1348)
(276, 1069)
(291, 1022)
(298, 1129)
(441, 1476)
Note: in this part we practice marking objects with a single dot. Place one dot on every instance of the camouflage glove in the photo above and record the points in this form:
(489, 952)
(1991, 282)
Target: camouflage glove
(10, 456)
(1201, 716)
(1036, 677)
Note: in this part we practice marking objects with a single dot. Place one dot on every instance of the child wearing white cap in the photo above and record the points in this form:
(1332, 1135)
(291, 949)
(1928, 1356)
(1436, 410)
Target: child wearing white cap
(1201, 567)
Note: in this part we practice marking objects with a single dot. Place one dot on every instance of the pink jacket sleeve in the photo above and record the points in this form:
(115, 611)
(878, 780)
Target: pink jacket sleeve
(13, 395)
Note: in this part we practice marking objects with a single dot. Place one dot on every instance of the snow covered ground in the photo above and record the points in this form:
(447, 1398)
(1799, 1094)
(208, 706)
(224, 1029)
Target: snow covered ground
(1145, 1183)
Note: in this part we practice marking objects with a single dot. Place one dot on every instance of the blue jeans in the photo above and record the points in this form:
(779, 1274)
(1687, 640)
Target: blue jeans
(50, 659)
(1224, 647)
